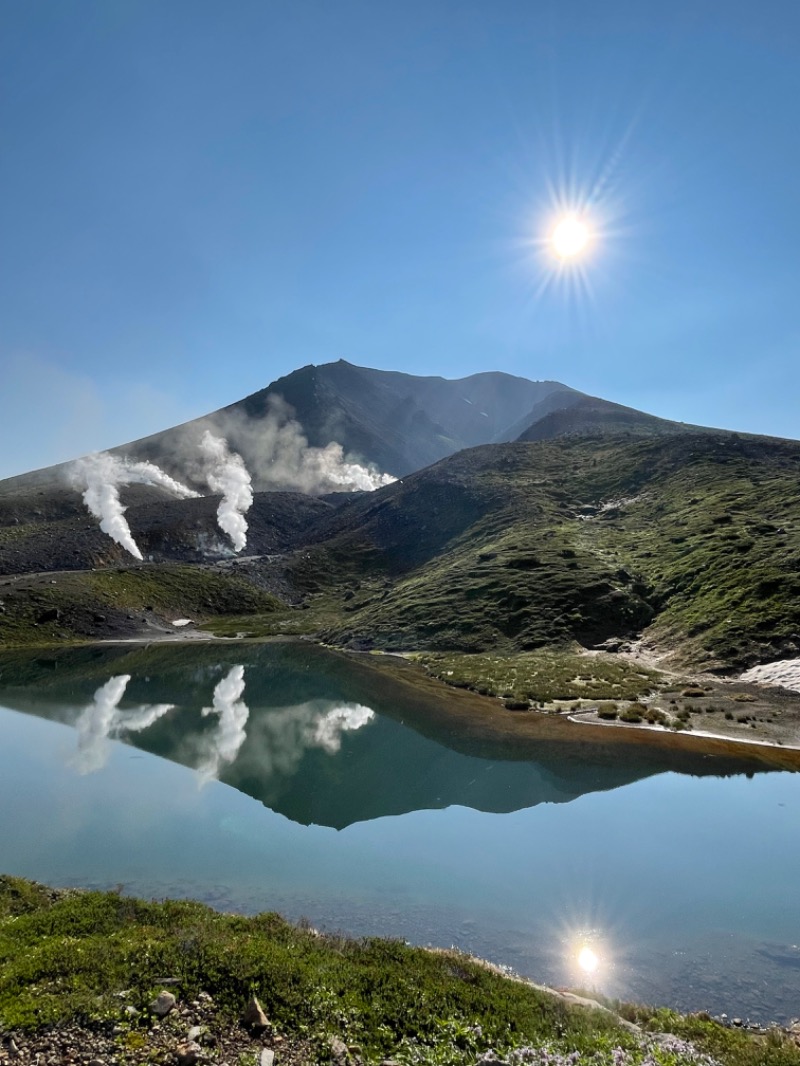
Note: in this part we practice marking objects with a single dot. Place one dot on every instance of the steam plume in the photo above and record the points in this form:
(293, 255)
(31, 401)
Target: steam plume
(100, 476)
(101, 496)
(279, 456)
(225, 472)
(329, 467)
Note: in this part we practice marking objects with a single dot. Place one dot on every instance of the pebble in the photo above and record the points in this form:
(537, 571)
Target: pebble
(338, 1049)
(168, 1041)
(163, 1004)
(254, 1016)
(188, 1054)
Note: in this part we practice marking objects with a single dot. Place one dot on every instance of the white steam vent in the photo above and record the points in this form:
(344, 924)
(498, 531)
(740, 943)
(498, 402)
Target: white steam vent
(276, 448)
(225, 472)
(99, 477)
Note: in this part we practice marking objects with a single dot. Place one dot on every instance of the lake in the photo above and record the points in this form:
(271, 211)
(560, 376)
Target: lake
(283, 777)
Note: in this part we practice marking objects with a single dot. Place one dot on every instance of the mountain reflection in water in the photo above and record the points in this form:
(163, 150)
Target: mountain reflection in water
(310, 734)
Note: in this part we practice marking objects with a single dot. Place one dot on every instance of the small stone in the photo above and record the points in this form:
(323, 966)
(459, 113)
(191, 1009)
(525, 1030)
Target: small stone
(163, 1004)
(97, 1062)
(205, 997)
(254, 1016)
(194, 1033)
(131, 1011)
(267, 1057)
(737, 1022)
(338, 1049)
(188, 1054)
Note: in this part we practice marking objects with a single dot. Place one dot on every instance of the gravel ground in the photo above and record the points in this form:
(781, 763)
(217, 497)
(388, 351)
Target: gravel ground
(191, 1034)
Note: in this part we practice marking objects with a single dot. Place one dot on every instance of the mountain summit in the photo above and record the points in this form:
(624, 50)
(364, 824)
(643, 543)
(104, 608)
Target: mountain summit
(390, 422)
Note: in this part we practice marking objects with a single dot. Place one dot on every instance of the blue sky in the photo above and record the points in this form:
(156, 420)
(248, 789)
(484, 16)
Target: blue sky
(199, 197)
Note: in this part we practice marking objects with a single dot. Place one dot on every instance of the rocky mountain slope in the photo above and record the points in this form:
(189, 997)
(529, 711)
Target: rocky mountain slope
(596, 523)
(391, 422)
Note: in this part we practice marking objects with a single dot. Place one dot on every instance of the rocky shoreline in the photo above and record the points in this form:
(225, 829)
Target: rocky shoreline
(99, 979)
(173, 1032)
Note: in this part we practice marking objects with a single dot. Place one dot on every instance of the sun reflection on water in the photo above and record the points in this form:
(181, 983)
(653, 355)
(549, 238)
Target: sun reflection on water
(588, 960)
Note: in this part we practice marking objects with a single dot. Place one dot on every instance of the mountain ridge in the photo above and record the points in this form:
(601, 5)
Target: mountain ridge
(614, 525)
(389, 421)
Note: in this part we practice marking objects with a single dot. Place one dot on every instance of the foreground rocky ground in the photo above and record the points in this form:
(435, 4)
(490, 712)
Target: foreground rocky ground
(177, 1033)
(97, 979)
(170, 1031)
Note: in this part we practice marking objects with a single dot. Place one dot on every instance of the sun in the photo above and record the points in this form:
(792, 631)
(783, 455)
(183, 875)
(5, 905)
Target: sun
(587, 959)
(570, 237)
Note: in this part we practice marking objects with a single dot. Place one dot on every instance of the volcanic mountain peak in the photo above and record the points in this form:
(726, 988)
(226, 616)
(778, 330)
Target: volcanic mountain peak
(337, 425)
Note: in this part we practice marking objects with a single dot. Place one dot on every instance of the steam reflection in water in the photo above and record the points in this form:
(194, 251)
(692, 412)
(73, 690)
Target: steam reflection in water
(223, 745)
(283, 736)
(102, 720)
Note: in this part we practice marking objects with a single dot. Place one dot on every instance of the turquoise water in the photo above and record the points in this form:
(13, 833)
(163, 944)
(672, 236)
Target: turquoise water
(278, 777)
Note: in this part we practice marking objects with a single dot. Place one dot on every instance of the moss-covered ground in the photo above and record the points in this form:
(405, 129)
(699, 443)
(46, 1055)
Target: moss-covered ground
(544, 676)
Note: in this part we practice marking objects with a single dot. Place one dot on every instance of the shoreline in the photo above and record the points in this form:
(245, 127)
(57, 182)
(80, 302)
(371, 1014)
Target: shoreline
(383, 1001)
(487, 715)
(469, 716)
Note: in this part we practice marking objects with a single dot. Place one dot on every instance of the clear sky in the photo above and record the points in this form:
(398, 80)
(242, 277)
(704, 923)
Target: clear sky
(198, 197)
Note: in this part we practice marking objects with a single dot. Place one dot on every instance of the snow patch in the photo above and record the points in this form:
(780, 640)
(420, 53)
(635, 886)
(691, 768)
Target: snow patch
(785, 672)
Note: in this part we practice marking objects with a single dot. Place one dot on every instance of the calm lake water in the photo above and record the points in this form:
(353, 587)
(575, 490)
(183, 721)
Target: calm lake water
(280, 777)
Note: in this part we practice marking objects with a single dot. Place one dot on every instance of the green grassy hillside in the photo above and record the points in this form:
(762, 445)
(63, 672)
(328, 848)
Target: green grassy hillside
(692, 539)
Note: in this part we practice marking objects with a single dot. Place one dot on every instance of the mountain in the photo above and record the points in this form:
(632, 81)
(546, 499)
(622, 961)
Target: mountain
(401, 422)
(693, 539)
(596, 523)
(561, 416)
(395, 423)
